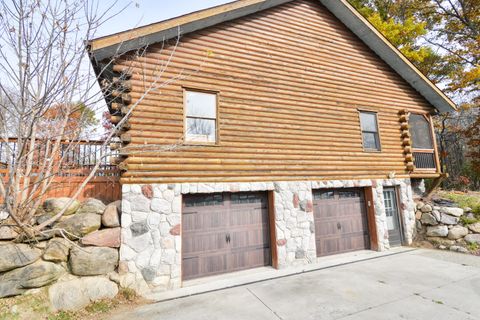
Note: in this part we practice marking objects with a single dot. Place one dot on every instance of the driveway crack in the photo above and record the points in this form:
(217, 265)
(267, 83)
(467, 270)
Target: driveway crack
(253, 294)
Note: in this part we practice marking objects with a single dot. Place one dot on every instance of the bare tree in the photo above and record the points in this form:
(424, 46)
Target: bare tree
(44, 84)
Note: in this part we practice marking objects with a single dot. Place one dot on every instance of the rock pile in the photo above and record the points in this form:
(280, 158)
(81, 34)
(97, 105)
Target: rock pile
(83, 243)
(446, 227)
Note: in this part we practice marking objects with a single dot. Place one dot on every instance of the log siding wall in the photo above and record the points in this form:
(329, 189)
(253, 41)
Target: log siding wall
(290, 82)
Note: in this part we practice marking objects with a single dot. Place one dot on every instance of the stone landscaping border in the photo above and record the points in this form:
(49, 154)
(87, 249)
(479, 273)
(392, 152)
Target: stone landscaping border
(442, 226)
(78, 264)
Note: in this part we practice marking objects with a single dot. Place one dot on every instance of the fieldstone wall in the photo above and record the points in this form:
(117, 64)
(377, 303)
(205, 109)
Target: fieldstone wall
(294, 226)
(151, 242)
(150, 254)
(443, 225)
(77, 257)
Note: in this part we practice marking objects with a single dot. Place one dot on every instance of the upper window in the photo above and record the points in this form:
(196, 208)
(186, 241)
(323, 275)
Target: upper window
(370, 136)
(420, 131)
(201, 116)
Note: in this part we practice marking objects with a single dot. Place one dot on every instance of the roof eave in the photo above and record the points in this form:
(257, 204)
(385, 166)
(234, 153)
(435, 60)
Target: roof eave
(391, 55)
(138, 38)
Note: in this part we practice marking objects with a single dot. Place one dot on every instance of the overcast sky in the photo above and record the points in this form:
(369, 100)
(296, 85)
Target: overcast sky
(141, 12)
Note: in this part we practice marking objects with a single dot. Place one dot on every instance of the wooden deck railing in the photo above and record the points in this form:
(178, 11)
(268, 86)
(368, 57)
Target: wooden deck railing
(78, 160)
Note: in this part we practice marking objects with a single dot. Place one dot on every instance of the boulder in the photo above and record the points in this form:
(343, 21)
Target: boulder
(103, 238)
(17, 255)
(80, 224)
(53, 206)
(57, 250)
(420, 205)
(437, 215)
(437, 231)
(475, 227)
(473, 238)
(428, 218)
(426, 208)
(111, 215)
(459, 249)
(457, 232)
(42, 218)
(91, 261)
(470, 216)
(456, 212)
(418, 214)
(35, 275)
(92, 205)
(448, 219)
(7, 233)
(78, 293)
(3, 215)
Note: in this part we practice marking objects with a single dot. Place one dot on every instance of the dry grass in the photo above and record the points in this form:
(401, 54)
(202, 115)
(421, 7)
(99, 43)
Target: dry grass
(36, 306)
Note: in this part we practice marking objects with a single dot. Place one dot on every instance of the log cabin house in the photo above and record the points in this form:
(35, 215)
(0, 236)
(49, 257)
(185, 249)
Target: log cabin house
(279, 132)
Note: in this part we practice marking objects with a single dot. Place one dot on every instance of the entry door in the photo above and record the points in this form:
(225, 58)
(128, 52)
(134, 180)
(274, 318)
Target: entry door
(340, 221)
(393, 221)
(224, 232)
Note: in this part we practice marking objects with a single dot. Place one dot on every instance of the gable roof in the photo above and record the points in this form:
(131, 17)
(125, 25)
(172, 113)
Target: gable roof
(119, 43)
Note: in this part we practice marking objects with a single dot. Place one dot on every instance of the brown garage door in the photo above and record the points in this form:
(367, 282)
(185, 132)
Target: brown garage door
(340, 221)
(224, 232)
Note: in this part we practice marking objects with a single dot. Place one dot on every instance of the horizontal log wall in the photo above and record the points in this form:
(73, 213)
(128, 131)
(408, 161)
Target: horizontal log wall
(290, 80)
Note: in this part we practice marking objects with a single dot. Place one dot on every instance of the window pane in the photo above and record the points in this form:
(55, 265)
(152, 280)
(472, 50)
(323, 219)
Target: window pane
(202, 105)
(420, 130)
(348, 194)
(323, 195)
(368, 121)
(371, 141)
(204, 200)
(200, 130)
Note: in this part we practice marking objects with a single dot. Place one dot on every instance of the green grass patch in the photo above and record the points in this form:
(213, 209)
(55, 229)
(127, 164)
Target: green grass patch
(465, 200)
(128, 294)
(101, 306)
(473, 246)
(63, 315)
(467, 221)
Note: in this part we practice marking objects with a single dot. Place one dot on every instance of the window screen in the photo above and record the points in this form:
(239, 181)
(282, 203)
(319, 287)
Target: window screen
(420, 131)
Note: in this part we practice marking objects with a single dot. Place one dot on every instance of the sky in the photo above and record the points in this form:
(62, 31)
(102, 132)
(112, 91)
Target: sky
(141, 12)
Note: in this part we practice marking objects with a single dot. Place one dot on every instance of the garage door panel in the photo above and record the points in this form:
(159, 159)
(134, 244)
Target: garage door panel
(327, 228)
(253, 258)
(340, 221)
(224, 232)
(248, 239)
(205, 266)
(203, 243)
(209, 222)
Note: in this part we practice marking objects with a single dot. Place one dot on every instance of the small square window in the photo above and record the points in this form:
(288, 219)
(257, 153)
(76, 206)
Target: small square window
(201, 116)
(370, 136)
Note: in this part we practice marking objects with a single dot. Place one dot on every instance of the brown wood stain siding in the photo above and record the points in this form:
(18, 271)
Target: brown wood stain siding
(290, 80)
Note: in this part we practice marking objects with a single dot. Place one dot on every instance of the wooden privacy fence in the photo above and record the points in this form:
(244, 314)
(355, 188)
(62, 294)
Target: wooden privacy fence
(78, 160)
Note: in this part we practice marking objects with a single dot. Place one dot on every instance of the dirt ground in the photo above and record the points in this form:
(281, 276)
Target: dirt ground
(36, 306)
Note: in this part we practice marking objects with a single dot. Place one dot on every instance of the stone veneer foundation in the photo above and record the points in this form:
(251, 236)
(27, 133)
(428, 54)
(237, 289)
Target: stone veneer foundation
(150, 254)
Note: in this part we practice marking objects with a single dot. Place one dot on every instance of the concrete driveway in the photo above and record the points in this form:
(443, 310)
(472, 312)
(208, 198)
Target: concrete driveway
(418, 284)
